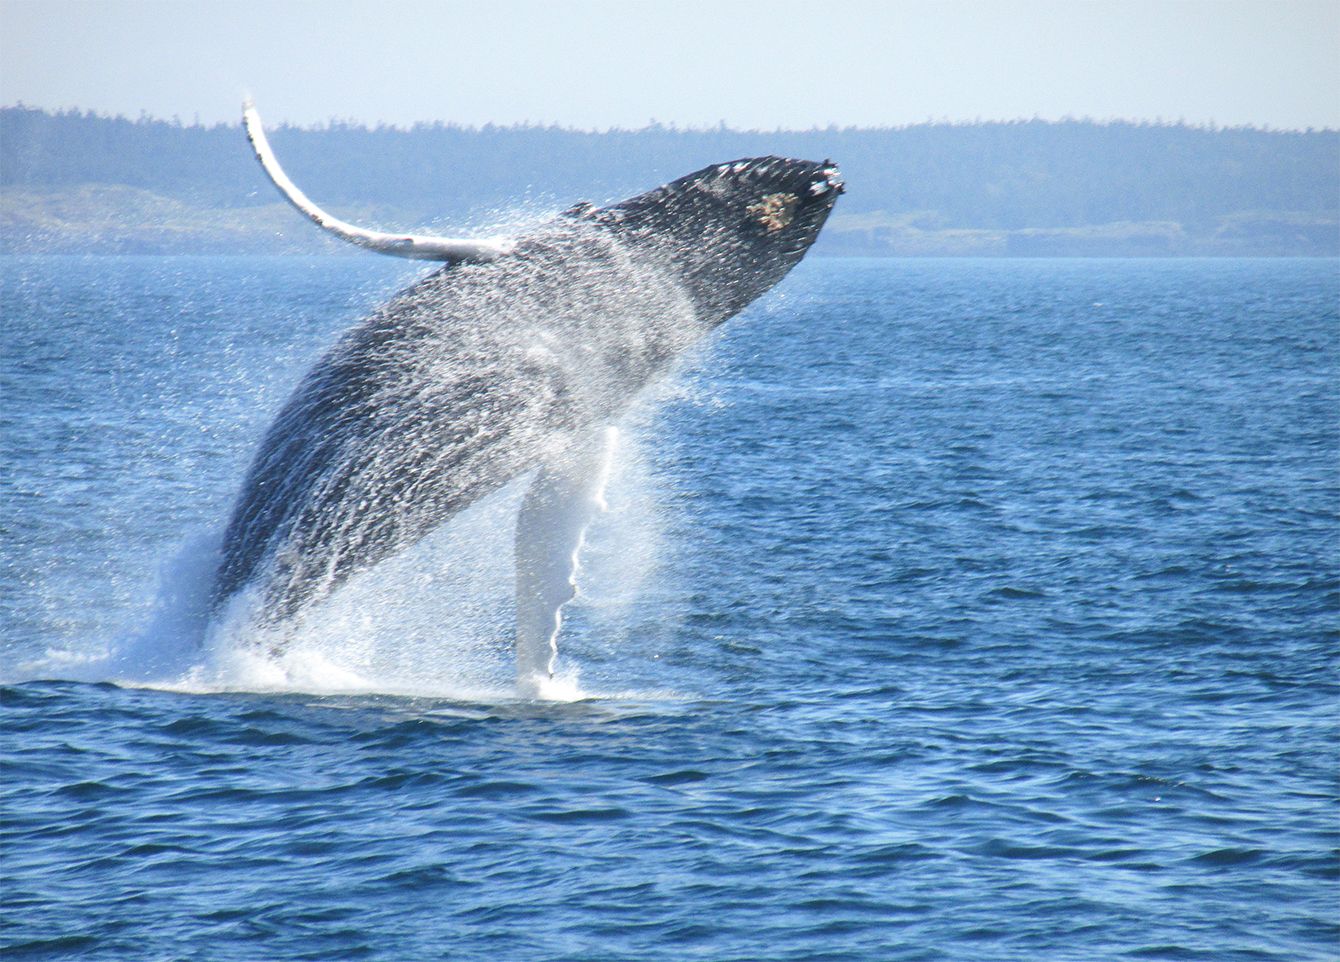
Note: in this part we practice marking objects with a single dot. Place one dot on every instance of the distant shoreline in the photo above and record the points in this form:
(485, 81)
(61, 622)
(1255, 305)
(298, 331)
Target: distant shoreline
(96, 219)
(73, 182)
(336, 123)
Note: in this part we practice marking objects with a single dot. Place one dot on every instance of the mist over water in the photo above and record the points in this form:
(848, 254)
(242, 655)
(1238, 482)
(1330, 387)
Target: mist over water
(941, 609)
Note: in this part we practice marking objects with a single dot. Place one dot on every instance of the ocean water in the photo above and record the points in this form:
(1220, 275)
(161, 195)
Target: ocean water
(942, 610)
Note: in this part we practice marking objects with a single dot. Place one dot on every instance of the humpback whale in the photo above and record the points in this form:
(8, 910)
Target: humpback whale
(510, 360)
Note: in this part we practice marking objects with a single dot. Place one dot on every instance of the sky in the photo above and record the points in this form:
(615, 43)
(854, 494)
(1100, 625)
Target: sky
(755, 65)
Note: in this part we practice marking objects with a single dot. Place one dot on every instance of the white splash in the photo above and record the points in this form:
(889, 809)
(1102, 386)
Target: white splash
(435, 621)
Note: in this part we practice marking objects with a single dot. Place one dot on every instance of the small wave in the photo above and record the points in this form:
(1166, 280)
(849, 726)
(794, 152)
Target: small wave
(1229, 856)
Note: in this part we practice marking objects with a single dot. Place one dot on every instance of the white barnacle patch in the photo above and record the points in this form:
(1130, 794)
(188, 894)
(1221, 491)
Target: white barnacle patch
(831, 180)
(773, 211)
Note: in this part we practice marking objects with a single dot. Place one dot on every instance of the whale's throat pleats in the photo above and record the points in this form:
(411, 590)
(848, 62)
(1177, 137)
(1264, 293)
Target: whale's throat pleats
(550, 529)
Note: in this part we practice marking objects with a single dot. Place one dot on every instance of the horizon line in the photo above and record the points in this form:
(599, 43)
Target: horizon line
(654, 125)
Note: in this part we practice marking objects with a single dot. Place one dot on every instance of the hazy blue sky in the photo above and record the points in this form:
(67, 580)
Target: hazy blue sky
(751, 64)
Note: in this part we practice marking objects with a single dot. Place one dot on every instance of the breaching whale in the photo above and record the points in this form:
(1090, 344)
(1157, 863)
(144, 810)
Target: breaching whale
(511, 359)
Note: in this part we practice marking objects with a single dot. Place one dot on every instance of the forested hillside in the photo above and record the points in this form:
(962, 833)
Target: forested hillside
(78, 181)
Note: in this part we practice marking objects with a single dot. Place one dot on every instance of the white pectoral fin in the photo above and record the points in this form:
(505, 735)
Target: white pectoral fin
(550, 529)
(413, 246)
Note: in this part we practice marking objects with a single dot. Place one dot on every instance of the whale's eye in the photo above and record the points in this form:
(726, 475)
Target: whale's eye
(773, 211)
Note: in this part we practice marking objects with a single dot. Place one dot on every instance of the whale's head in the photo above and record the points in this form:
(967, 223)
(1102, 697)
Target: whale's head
(733, 230)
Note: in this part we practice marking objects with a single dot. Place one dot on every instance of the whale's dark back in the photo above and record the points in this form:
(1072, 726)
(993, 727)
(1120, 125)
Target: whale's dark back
(479, 373)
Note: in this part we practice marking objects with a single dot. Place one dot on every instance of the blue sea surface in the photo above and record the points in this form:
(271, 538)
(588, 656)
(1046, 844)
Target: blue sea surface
(944, 609)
